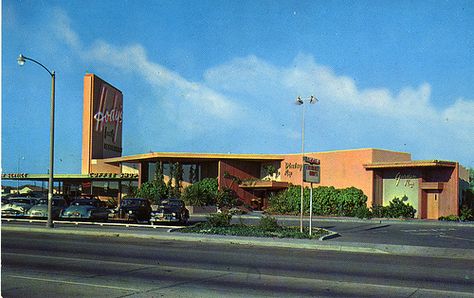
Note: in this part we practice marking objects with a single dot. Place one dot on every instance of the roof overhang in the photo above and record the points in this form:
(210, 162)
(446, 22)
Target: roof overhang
(410, 164)
(263, 184)
(72, 177)
(188, 157)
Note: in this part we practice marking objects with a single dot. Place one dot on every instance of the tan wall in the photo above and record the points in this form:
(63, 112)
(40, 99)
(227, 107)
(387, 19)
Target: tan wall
(342, 169)
(98, 166)
(389, 156)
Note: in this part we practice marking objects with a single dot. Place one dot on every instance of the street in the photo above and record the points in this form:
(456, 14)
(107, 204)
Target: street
(52, 265)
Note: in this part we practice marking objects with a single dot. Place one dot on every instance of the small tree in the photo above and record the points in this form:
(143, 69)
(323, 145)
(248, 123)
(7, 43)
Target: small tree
(192, 174)
(226, 198)
(178, 178)
(170, 179)
(156, 189)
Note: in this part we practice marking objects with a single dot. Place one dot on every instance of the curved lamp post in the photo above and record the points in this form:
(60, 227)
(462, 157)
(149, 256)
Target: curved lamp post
(21, 61)
(300, 101)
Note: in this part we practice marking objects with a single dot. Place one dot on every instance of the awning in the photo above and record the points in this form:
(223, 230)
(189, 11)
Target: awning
(263, 184)
(410, 164)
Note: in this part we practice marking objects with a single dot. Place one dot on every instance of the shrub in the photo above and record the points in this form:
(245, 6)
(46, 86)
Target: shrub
(378, 211)
(226, 198)
(350, 200)
(202, 193)
(268, 223)
(152, 191)
(451, 217)
(466, 214)
(363, 212)
(327, 200)
(219, 219)
(398, 209)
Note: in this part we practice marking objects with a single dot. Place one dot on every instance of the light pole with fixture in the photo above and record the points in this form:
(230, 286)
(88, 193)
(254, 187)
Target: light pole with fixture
(300, 101)
(21, 60)
(18, 172)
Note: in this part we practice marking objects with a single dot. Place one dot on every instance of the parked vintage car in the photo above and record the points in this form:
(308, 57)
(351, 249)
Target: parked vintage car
(86, 209)
(132, 210)
(170, 210)
(18, 206)
(6, 198)
(40, 210)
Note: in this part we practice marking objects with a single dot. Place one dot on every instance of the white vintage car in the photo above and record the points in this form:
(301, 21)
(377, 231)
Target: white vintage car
(18, 206)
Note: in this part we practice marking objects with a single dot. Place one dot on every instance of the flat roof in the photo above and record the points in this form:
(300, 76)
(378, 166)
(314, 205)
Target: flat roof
(410, 164)
(71, 177)
(192, 156)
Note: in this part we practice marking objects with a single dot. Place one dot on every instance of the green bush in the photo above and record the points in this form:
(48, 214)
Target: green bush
(269, 224)
(466, 214)
(397, 208)
(327, 200)
(363, 212)
(226, 198)
(350, 200)
(451, 217)
(152, 191)
(202, 193)
(219, 219)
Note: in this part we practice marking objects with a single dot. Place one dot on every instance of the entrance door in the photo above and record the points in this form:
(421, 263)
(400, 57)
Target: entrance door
(432, 203)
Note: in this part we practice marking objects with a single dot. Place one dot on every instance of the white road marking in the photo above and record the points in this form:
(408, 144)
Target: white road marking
(230, 275)
(74, 283)
(457, 238)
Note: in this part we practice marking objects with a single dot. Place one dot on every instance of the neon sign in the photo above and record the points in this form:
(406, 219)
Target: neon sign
(108, 116)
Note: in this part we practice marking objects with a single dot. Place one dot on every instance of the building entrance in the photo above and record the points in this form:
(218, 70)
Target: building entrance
(432, 204)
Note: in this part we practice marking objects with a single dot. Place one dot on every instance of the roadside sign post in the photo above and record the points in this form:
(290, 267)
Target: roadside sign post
(311, 174)
(311, 209)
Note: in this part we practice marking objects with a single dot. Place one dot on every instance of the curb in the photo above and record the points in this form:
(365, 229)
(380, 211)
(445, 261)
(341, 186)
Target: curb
(355, 220)
(352, 247)
(215, 239)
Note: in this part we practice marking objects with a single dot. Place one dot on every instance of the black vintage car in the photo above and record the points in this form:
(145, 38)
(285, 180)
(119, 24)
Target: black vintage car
(132, 210)
(170, 210)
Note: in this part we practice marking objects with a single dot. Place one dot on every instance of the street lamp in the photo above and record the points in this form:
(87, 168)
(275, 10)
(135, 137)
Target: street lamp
(21, 61)
(18, 172)
(300, 101)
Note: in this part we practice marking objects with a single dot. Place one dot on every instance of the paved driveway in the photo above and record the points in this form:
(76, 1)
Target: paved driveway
(413, 232)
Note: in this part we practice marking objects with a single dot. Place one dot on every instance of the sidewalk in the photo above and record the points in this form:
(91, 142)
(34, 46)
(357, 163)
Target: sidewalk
(355, 247)
(296, 218)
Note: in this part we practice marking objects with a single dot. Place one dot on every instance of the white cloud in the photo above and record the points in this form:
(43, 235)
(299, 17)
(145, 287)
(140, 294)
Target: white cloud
(64, 30)
(249, 102)
(408, 120)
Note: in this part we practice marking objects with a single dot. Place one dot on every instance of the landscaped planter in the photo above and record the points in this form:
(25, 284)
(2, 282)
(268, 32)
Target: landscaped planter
(201, 209)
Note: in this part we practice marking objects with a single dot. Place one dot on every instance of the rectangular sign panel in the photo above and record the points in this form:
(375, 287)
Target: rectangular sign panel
(311, 173)
(102, 121)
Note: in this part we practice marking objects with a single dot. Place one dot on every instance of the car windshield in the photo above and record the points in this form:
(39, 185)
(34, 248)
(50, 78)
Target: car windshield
(173, 203)
(56, 202)
(133, 203)
(84, 203)
(20, 201)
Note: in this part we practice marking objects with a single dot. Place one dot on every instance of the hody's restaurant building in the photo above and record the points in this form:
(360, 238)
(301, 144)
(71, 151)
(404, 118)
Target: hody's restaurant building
(434, 187)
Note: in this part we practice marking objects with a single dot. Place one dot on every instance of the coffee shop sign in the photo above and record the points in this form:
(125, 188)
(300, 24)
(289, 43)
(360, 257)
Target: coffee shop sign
(14, 175)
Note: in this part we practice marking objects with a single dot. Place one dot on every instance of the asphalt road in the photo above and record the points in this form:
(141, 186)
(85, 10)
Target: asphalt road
(52, 265)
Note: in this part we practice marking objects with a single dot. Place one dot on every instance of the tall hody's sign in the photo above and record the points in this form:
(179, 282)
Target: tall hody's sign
(102, 123)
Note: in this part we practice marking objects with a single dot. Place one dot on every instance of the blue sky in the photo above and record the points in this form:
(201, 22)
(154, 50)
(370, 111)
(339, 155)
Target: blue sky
(222, 76)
